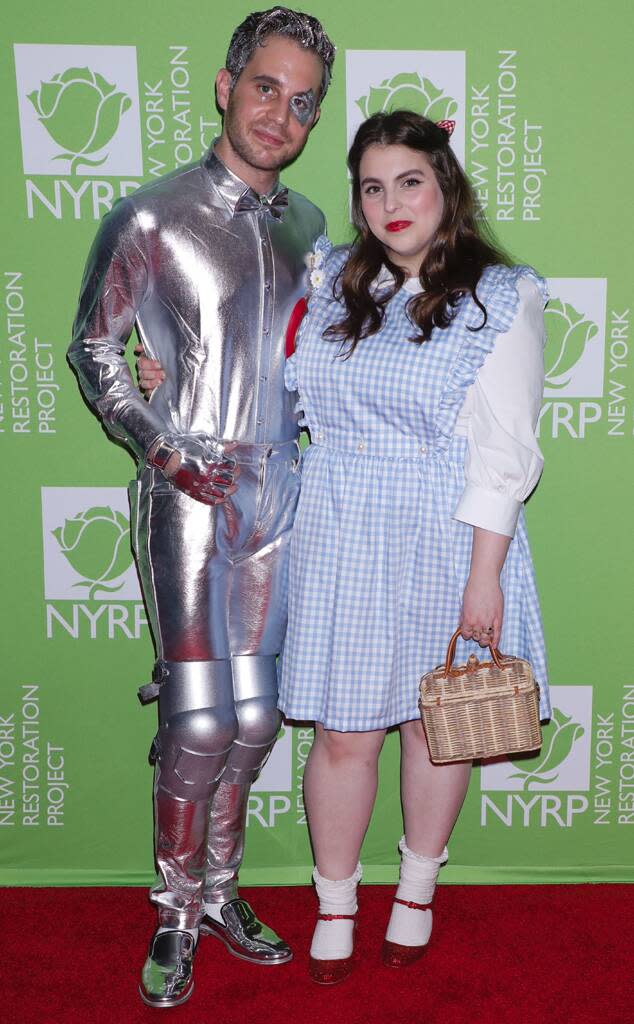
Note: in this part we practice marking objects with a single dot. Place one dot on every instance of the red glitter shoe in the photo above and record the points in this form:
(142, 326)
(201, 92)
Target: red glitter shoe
(393, 954)
(331, 972)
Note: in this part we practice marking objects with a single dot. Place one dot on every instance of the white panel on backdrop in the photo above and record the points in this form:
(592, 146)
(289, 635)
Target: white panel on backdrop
(563, 764)
(79, 109)
(86, 536)
(430, 82)
(575, 330)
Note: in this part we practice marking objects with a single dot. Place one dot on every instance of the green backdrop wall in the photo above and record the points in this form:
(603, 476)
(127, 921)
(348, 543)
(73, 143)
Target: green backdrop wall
(94, 101)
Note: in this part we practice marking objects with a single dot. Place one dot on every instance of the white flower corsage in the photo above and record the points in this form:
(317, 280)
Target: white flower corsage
(316, 260)
(316, 279)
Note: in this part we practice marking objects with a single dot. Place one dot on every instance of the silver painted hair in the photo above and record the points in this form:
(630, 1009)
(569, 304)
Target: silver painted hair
(304, 29)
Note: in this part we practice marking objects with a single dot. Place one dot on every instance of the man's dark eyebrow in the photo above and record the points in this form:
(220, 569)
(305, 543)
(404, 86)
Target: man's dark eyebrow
(266, 78)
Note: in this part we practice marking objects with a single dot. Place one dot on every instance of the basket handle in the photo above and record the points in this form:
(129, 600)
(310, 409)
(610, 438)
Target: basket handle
(451, 651)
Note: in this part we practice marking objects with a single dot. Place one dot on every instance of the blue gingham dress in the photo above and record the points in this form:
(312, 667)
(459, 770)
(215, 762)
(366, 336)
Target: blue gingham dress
(377, 563)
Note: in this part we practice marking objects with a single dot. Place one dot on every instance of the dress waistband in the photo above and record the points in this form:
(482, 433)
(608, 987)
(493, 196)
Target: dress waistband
(411, 449)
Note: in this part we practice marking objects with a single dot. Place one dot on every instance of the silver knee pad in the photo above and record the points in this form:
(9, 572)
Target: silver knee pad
(255, 693)
(198, 726)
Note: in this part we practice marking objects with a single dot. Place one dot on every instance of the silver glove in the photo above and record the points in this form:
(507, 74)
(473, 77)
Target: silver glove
(205, 473)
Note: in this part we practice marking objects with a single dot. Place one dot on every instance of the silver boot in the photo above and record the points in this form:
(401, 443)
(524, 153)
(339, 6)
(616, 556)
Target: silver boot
(255, 694)
(198, 725)
(167, 978)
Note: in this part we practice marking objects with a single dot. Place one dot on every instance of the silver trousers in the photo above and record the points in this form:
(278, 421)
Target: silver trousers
(215, 579)
(215, 582)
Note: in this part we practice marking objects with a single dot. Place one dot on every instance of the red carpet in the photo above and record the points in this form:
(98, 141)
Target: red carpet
(499, 955)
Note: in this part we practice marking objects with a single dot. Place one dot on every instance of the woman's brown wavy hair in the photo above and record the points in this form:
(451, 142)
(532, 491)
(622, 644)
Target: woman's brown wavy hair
(459, 252)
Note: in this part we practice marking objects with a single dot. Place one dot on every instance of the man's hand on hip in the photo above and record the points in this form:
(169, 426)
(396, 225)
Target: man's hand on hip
(149, 372)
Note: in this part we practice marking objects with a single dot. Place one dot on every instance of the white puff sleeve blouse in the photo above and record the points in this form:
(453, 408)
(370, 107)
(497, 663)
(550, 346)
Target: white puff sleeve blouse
(499, 418)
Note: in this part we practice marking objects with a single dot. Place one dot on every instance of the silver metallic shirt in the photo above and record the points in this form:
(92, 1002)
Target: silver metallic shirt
(210, 273)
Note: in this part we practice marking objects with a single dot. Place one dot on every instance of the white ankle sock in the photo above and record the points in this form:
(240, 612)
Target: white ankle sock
(192, 931)
(333, 940)
(410, 927)
(213, 909)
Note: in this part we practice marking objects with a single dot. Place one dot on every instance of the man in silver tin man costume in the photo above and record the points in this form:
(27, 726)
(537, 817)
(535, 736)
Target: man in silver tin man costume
(209, 262)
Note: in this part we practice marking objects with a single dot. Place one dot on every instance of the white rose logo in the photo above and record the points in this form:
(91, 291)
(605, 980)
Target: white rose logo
(81, 112)
(408, 91)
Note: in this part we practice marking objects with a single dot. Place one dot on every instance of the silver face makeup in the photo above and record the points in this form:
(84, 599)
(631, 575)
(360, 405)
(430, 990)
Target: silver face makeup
(302, 106)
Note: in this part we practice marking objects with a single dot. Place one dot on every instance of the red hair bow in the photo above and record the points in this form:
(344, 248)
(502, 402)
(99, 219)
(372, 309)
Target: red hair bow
(447, 126)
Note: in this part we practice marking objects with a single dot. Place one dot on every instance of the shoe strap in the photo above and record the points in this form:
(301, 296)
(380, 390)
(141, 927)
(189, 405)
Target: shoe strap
(413, 906)
(336, 917)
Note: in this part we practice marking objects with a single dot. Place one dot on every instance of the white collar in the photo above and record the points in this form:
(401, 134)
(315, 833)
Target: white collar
(386, 277)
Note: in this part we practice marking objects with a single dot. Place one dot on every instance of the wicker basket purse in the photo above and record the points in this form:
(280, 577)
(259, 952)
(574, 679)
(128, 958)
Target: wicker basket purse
(480, 709)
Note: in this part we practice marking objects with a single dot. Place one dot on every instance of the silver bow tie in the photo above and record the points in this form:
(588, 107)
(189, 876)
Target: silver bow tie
(275, 205)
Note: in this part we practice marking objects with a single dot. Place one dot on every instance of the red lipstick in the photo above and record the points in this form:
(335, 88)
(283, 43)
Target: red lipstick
(398, 225)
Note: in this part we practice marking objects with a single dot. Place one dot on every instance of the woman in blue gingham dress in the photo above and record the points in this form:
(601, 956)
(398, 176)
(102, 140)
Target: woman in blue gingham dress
(412, 489)
(378, 563)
